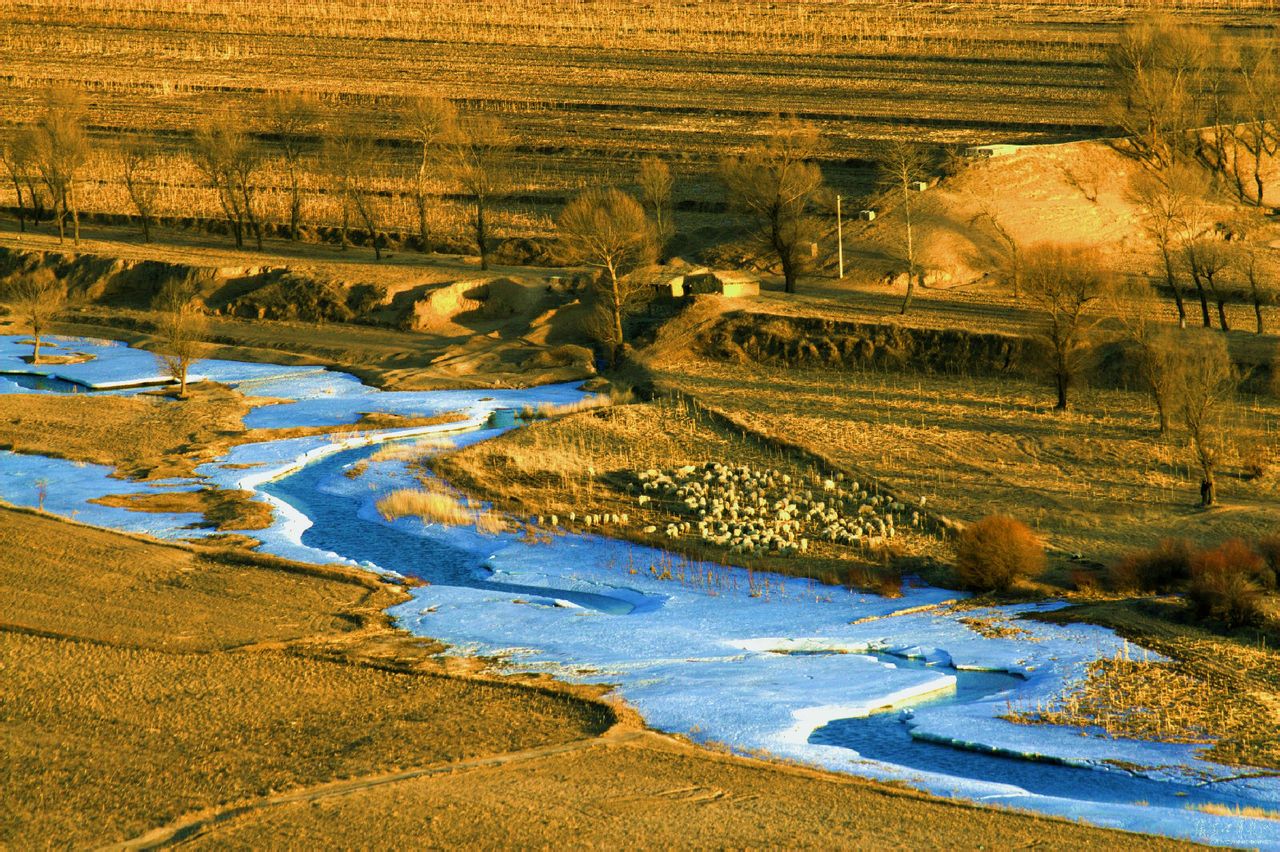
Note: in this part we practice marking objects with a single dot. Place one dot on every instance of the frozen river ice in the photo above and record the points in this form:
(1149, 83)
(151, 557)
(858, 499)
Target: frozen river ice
(806, 672)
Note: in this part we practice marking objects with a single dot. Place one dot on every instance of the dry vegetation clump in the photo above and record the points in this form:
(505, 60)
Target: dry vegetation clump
(995, 553)
(431, 503)
(1163, 568)
(580, 471)
(222, 510)
(434, 503)
(1224, 584)
(1220, 689)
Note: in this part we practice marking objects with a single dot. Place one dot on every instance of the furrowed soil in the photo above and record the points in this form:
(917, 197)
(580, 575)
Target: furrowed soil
(585, 88)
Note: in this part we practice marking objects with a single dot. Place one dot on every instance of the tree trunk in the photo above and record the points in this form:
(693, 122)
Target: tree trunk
(1222, 314)
(423, 244)
(22, 213)
(911, 287)
(295, 205)
(1257, 313)
(146, 228)
(75, 214)
(35, 355)
(182, 382)
(1204, 296)
(254, 224)
(480, 234)
(788, 272)
(37, 203)
(60, 212)
(1062, 393)
(615, 305)
(1208, 489)
(346, 222)
(1171, 277)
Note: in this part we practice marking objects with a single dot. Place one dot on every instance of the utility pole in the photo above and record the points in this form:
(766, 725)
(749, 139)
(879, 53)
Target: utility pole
(840, 237)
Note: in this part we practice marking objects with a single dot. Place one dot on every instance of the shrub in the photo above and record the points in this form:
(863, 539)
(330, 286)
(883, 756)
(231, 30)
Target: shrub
(1160, 569)
(1224, 585)
(994, 552)
(1269, 549)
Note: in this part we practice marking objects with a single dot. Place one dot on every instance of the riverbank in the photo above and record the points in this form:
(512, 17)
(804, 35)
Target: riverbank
(501, 596)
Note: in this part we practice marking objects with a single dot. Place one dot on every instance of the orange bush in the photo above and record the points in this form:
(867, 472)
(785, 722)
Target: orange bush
(1224, 584)
(994, 552)
(1160, 569)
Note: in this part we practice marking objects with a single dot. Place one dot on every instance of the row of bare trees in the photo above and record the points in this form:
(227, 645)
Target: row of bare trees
(49, 158)
(1185, 91)
(1188, 373)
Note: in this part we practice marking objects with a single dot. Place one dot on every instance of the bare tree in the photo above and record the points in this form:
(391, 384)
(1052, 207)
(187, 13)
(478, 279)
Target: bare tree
(655, 183)
(37, 297)
(773, 186)
(18, 155)
(1157, 70)
(1208, 259)
(354, 164)
(1131, 304)
(228, 159)
(1206, 383)
(61, 148)
(1250, 262)
(138, 171)
(292, 118)
(478, 158)
(1256, 105)
(607, 229)
(1167, 201)
(182, 327)
(1010, 261)
(1064, 283)
(430, 120)
(901, 165)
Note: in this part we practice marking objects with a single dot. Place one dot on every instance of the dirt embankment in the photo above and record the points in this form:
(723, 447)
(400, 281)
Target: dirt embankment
(421, 323)
(820, 342)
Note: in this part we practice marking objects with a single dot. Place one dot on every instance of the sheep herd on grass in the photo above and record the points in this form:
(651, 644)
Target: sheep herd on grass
(762, 511)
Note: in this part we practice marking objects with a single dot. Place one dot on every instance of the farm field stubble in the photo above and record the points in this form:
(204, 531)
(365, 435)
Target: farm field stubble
(587, 88)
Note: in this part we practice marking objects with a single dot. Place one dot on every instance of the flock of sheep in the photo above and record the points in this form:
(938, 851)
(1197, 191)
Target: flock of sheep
(757, 512)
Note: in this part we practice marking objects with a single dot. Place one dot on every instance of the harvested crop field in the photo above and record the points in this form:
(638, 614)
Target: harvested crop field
(586, 87)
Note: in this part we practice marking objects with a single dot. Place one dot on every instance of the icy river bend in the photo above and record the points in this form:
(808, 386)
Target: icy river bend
(888, 689)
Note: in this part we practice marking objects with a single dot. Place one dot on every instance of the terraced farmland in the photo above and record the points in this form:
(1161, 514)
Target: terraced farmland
(589, 87)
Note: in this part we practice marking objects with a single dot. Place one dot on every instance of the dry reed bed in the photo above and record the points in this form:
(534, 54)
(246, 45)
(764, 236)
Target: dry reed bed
(586, 463)
(1222, 690)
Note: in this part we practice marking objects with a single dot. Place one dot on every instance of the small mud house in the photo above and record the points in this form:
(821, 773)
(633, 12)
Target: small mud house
(720, 282)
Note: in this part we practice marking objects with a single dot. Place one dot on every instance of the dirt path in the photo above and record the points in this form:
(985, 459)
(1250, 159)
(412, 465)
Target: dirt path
(193, 825)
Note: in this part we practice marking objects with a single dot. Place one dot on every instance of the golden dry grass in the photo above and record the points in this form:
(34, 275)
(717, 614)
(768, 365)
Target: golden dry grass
(585, 463)
(119, 709)
(143, 437)
(1221, 690)
(653, 794)
(75, 580)
(431, 503)
(1096, 480)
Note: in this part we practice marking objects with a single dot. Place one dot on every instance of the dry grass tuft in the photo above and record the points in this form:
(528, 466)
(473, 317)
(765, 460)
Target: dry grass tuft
(431, 503)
